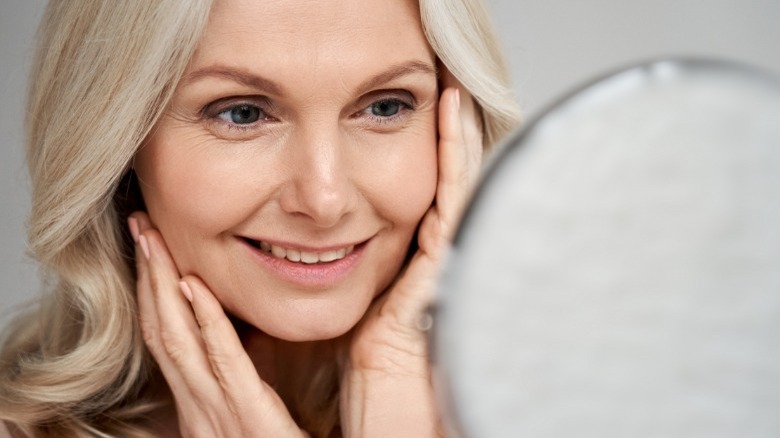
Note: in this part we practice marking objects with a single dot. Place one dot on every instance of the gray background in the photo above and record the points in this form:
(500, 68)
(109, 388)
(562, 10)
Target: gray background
(552, 47)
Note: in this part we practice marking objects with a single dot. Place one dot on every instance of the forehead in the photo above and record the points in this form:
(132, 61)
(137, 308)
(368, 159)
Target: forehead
(309, 39)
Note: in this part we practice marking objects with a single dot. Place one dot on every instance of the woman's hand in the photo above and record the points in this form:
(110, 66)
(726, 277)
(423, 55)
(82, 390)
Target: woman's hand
(386, 382)
(217, 389)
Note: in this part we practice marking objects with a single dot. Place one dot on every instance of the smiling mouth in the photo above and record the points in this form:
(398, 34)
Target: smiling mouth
(297, 256)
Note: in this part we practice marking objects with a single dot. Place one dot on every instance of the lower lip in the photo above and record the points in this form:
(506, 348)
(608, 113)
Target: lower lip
(315, 275)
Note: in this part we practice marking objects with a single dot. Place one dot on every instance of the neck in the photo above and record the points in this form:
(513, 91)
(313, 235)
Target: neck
(284, 364)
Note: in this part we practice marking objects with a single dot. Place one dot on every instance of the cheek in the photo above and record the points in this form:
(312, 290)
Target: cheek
(191, 193)
(403, 182)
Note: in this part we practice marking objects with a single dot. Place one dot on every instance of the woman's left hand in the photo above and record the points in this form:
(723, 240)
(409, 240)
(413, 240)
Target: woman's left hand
(386, 381)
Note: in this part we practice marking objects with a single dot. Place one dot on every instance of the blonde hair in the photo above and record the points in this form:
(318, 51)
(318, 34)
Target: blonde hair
(461, 34)
(103, 74)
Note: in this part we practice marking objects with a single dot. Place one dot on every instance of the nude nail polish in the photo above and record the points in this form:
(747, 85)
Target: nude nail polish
(185, 290)
(132, 223)
(144, 246)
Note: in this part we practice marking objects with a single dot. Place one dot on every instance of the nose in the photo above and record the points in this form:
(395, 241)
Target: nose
(320, 185)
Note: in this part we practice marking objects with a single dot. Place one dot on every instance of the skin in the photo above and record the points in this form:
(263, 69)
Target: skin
(319, 171)
(329, 163)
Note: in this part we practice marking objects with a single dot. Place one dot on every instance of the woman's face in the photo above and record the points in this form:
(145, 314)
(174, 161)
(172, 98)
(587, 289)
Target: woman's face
(296, 159)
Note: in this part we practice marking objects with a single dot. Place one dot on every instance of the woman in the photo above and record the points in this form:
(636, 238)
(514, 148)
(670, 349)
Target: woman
(300, 165)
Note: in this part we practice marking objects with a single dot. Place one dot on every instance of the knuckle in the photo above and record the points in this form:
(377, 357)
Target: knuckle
(222, 365)
(148, 332)
(154, 281)
(208, 323)
(173, 345)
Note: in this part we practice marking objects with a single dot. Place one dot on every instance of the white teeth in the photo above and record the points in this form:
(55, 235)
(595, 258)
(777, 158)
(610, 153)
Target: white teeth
(293, 255)
(306, 256)
(278, 252)
(309, 257)
(329, 256)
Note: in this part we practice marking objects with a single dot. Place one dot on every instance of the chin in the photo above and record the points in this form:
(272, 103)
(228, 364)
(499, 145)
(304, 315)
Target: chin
(302, 324)
(307, 332)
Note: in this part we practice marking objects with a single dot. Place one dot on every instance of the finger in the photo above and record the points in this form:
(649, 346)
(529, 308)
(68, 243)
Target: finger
(179, 332)
(147, 312)
(235, 372)
(460, 153)
(149, 324)
(470, 115)
(170, 332)
(454, 176)
(147, 307)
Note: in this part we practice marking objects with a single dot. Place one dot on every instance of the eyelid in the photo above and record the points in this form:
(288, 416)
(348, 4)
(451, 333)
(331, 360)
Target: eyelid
(213, 109)
(399, 94)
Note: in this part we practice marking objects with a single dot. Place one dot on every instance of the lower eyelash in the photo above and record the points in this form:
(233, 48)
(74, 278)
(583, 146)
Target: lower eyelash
(241, 128)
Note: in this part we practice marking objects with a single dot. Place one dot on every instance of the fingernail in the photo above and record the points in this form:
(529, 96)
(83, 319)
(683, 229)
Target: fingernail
(457, 98)
(185, 289)
(132, 223)
(144, 246)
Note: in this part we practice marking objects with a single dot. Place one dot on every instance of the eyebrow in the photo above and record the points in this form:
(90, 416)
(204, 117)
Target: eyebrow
(236, 75)
(246, 78)
(397, 71)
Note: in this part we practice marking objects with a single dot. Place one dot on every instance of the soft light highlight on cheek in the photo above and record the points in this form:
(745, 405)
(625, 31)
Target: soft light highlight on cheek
(198, 178)
(191, 188)
(402, 172)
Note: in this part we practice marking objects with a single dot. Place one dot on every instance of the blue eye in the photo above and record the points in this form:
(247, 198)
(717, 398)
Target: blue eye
(386, 107)
(241, 114)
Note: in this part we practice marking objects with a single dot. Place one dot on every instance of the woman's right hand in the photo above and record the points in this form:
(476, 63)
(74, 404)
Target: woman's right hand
(216, 387)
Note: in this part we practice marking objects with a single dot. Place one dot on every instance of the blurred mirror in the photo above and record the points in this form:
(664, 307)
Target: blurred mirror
(618, 272)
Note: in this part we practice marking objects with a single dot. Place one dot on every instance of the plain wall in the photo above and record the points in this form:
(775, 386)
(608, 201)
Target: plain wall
(18, 280)
(555, 46)
(552, 47)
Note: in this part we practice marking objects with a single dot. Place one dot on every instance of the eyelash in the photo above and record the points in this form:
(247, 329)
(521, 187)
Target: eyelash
(404, 107)
(212, 111)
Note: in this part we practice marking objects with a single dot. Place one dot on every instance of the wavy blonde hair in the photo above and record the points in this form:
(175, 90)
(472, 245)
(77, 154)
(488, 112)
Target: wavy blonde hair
(104, 72)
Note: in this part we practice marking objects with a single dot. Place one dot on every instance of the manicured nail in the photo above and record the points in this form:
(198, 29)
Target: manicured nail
(144, 246)
(132, 223)
(457, 98)
(185, 289)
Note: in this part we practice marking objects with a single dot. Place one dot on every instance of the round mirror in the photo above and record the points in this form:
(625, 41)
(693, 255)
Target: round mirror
(618, 272)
